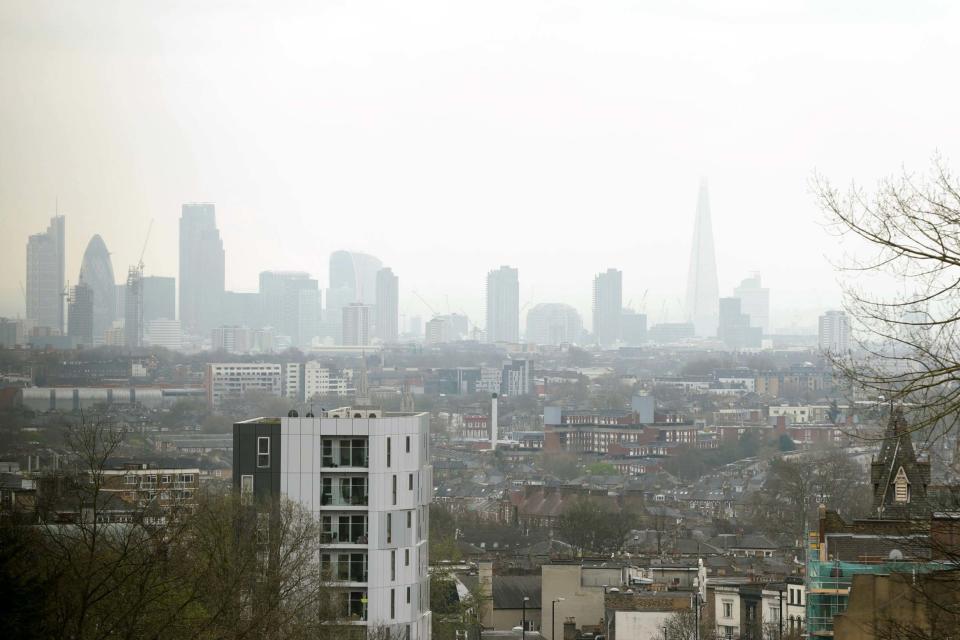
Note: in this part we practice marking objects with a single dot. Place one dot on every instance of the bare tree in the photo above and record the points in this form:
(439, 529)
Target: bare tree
(907, 237)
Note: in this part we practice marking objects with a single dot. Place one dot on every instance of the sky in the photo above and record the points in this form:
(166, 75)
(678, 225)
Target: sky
(448, 138)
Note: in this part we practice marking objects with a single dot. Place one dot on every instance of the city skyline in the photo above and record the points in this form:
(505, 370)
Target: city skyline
(612, 156)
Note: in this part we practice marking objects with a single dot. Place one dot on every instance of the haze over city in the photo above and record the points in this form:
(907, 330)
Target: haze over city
(559, 138)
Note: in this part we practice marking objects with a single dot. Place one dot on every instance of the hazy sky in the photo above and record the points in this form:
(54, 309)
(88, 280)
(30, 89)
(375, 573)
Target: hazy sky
(448, 137)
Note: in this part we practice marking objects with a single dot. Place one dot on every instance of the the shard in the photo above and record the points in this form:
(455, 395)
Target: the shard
(703, 292)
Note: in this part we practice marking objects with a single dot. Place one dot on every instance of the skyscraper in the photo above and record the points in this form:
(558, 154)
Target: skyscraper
(356, 324)
(703, 292)
(607, 306)
(834, 332)
(96, 271)
(201, 268)
(553, 323)
(353, 278)
(291, 304)
(503, 305)
(80, 315)
(388, 305)
(734, 326)
(755, 302)
(45, 276)
(133, 312)
(159, 298)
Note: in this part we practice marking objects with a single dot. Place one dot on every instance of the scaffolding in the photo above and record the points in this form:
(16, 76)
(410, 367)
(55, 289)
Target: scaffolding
(828, 587)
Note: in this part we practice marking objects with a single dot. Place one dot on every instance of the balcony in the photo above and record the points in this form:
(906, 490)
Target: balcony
(338, 500)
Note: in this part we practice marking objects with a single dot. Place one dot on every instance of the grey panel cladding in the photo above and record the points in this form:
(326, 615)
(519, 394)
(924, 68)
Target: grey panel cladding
(266, 481)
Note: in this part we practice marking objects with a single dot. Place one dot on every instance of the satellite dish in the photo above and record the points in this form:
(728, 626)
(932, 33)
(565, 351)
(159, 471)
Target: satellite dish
(895, 554)
(292, 413)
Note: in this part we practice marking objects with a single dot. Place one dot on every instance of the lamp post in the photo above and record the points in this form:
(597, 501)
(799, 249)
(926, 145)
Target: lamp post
(553, 618)
(523, 628)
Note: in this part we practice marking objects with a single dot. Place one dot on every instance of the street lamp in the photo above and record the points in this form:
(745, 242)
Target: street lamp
(523, 629)
(553, 618)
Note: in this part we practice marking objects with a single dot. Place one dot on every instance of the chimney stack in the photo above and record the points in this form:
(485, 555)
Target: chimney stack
(493, 423)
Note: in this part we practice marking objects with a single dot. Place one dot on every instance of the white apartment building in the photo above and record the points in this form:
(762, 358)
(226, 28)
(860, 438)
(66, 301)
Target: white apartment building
(302, 382)
(834, 332)
(366, 477)
(233, 379)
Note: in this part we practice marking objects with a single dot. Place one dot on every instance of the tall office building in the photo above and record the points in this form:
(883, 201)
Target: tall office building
(133, 311)
(553, 323)
(388, 305)
(356, 324)
(201, 268)
(734, 326)
(163, 332)
(834, 332)
(291, 304)
(96, 271)
(353, 278)
(45, 276)
(367, 480)
(755, 302)
(633, 327)
(159, 298)
(607, 307)
(703, 291)
(503, 305)
(80, 315)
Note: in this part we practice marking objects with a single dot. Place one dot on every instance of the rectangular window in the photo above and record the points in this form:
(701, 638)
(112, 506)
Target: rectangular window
(164, 478)
(408, 444)
(409, 519)
(388, 452)
(186, 478)
(131, 479)
(326, 497)
(263, 452)
(410, 482)
(727, 609)
(246, 489)
(326, 453)
(408, 595)
(393, 603)
(389, 528)
(393, 564)
(394, 489)
(406, 557)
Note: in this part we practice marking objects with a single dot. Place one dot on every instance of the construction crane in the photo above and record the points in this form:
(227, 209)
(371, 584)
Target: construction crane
(144, 250)
(427, 304)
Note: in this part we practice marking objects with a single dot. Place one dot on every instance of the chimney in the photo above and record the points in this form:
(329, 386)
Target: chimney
(493, 423)
(485, 578)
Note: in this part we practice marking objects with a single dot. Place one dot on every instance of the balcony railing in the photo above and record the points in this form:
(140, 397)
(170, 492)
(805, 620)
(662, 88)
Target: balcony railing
(338, 500)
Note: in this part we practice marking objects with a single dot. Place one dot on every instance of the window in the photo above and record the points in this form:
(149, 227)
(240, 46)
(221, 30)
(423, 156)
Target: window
(406, 559)
(394, 489)
(408, 596)
(326, 453)
(388, 452)
(774, 613)
(164, 478)
(389, 528)
(410, 482)
(353, 453)
(131, 479)
(263, 452)
(393, 564)
(408, 444)
(246, 489)
(188, 477)
(409, 519)
(727, 609)
(902, 487)
(393, 603)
